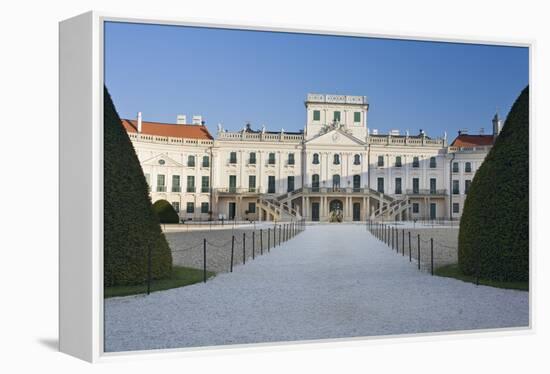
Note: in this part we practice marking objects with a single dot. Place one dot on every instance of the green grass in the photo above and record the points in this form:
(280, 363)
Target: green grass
(452, 271)
(181, 276)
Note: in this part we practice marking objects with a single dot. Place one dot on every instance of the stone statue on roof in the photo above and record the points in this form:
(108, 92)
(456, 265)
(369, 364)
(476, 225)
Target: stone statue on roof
(220, 128)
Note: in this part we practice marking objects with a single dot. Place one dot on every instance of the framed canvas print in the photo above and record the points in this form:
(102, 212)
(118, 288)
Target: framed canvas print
(229, 185)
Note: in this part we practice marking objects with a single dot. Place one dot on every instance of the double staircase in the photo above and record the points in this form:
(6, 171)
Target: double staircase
(280, 207)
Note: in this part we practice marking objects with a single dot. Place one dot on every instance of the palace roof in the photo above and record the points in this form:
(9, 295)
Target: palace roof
(465, 140)
(168, 129)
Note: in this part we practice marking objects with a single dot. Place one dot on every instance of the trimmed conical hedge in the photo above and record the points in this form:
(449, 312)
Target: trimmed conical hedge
(130, 225)
(494, 228)
(165, 212)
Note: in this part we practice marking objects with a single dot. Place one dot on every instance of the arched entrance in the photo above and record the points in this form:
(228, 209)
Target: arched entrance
(336, 212)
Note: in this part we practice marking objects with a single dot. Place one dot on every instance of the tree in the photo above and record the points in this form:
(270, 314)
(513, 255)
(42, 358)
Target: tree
(131, 227)
(165, 212)
(493, 239)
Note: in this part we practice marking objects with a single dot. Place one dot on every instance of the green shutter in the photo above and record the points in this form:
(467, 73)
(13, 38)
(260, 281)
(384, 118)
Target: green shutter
(357, 117)
(316, 115)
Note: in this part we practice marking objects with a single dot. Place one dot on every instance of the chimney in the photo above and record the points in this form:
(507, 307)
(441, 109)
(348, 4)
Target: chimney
(197, 120)
(181, 119)
(139, 122)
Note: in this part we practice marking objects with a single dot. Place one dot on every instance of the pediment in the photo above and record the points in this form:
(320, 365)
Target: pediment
(335, 137)
(161, 160)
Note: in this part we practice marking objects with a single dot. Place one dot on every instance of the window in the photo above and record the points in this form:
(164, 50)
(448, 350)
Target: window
(271, 159)
(191, 160)
(251, 183)
(433, 163)
(455, 187)
(380, 161)
(251, 207)
(233, 158)
(233, 183)
(205, 207)
(380, 185)
(336, 181)
(271, 184)
(467, 186)
(468, 167)
(176, 206)
(316, 158)
(205, 161)
(252, 158)
(416, 208)
(190, 183)
(357, 117)
(456, 207)
(398, 186)
(416, 185)
(397, 161)
(337, 116)
(176, 183)
(356, 159)
(356, 183)
(290, 184)
(205, 183)
(416, 162)
(291, 158)
(161, 184)
(455, 167)
(316, 115)
(336, 159)
(148, 180)
(315, 182)
(433, 185)
(190, 208)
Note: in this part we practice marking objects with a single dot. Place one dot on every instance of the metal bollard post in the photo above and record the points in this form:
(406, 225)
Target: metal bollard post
(410, 259)
(261, 242)
(268, 238)
(432, 254)
(403, 241)
(244, 248)
(204, 260)
(418, 251)
(280, 231)
(149, 268)
(253, 243)
(232, 250)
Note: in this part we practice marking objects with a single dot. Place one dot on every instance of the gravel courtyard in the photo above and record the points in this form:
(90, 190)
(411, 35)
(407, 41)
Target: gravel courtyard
(331, 281)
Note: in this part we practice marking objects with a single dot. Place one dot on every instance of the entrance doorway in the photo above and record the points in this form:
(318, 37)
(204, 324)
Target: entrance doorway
(335, 205)
(433, 211)
(315, 212)
(356, 212)
(232, 209)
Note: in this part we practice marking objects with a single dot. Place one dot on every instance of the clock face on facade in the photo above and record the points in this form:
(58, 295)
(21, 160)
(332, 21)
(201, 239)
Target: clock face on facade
(335, 136)
(161, 162)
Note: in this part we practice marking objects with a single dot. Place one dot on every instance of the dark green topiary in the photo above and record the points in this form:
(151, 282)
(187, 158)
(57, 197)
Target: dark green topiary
(130, 225)
(494, 228)
(165, 212)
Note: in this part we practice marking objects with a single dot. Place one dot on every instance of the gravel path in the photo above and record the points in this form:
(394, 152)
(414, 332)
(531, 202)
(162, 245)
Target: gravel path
(331, 281)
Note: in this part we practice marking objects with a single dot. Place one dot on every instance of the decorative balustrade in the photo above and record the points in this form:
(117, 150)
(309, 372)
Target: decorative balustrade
(405, 140)
(168, 140)
(260, 137)
(424, 192)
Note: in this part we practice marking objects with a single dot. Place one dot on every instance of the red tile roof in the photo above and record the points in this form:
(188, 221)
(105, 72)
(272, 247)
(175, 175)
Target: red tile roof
(465, 140)
(167, 129)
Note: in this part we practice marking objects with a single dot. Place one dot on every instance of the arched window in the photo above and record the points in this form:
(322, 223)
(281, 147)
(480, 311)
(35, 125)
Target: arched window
(356, 159)
(336, 159)
(336, 181)
(205, 161)
(190, 160)
(315, 182)
(316, 158)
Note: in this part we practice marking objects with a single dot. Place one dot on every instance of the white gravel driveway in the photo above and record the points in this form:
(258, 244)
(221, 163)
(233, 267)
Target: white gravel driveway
(331, 281)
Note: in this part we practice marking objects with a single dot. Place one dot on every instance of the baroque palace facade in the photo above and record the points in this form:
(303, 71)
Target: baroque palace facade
(337, 169)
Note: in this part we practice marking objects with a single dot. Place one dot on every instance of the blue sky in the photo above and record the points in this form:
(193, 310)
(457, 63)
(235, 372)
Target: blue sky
(233, 76)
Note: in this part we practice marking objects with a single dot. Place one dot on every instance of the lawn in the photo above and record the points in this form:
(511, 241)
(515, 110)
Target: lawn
(181, 276)
(452, 271)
